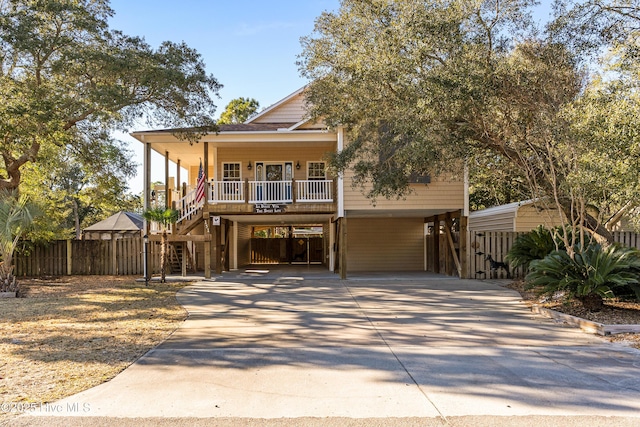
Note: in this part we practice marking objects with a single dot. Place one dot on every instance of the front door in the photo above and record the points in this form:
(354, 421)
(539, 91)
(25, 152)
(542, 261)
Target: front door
(274, 172)
(276, 181)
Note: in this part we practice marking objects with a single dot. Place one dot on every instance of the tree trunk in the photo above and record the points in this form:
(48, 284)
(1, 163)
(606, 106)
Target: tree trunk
(76, 218)
(163, 257)
(8, 282)
(592, 302)
(12, 166)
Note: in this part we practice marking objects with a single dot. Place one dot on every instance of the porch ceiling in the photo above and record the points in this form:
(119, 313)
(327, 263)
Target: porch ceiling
(190, 154)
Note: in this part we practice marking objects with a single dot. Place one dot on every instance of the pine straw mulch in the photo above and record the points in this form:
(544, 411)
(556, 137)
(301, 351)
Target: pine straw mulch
(68, 334)
(614, 312)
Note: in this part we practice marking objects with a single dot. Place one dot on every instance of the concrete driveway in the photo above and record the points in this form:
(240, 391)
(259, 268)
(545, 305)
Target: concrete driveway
(410, 348)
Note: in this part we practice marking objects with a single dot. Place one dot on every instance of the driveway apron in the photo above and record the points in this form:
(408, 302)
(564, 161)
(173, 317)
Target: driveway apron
(266, 345)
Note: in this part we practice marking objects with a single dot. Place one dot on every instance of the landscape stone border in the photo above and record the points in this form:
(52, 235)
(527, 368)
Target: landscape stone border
(584, 324)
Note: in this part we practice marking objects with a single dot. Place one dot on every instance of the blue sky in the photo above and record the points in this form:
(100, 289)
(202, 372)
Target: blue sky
(250, 46)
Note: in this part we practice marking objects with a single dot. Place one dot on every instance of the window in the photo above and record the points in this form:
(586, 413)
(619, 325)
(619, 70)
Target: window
(316, 170)
(231, 171)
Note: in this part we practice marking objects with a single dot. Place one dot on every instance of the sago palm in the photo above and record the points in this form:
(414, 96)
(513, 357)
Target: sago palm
(534, 245)
(16, 215)
(592, 274)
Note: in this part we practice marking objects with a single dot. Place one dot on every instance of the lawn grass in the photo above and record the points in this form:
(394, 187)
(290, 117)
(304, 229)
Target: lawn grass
(69, 334)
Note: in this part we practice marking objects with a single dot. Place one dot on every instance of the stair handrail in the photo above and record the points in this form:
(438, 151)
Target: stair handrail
(188, 205)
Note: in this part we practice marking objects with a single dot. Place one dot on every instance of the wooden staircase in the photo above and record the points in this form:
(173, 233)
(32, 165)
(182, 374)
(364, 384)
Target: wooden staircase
(177, 251)
(186, 225)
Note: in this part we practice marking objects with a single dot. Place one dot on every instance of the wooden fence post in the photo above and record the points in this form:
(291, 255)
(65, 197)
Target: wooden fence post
(114, 257)
(69, 258)
(463, 244)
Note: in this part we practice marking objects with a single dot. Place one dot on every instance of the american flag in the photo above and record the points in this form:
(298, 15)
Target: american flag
(200, 185)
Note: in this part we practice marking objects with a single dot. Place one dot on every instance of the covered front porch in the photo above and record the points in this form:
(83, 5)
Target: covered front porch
(258, 197)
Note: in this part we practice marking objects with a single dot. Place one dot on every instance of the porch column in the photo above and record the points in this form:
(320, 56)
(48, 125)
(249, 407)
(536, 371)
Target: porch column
(206, 161)
(340, 180)
(464, 246)
(234, 242)
(146, 204)
(178, 181)
(207, 246)
(436, 244)
(218, 248)
(166, 180)
(226, 244)
(332, 242)
(183, 267)
(343, 248)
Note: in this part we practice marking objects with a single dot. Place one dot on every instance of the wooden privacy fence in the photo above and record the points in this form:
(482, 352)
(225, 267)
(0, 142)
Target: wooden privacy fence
(84, 257)
(497, 244)
(494, 244)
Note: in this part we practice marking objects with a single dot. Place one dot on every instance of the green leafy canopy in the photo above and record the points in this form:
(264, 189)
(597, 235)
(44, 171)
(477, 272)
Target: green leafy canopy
(422, 86)
(68, 80)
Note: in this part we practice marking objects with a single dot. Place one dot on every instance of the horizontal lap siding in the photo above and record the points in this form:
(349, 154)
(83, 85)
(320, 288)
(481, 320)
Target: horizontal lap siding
(445, 195)
(503, 221)
(291, 153)
(529, 217)
(385, 244)
(291, 111)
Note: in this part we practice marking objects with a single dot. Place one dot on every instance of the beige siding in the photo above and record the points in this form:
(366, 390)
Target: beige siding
(244, 245)
(529, 217)
(500, 221)
(193, 175)
(439, 194)
(385, 244)
(291, 111)
(293, 154)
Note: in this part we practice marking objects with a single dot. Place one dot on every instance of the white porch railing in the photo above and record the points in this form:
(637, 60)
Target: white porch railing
(314, 191)
(320, 191)
(270, 192)
(187, 206)
(226, 192)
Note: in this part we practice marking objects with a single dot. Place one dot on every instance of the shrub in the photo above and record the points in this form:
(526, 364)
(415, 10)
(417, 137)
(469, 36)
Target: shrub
(534, 245)
(592, 274)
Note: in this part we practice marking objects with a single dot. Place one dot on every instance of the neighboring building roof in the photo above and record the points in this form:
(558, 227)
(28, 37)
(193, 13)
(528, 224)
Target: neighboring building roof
(122, 221)
(518, 216)
(509, 208)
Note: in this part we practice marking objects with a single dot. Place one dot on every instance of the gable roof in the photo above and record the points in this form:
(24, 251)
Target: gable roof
(275, 106)
(122, 221)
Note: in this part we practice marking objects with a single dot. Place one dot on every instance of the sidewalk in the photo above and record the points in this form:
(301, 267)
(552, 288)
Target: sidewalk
(287, 349)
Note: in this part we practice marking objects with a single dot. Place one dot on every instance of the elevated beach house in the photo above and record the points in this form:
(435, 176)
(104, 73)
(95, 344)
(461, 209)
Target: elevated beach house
(265, 196)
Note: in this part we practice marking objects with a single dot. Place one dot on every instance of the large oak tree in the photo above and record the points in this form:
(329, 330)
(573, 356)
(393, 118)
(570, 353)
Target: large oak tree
(67, 80)
(419, 84)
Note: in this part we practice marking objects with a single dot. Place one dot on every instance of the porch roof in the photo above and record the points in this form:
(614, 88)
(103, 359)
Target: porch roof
(246, 135)
(235, 127)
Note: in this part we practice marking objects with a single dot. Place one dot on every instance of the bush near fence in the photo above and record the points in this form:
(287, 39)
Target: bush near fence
(497, 244)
